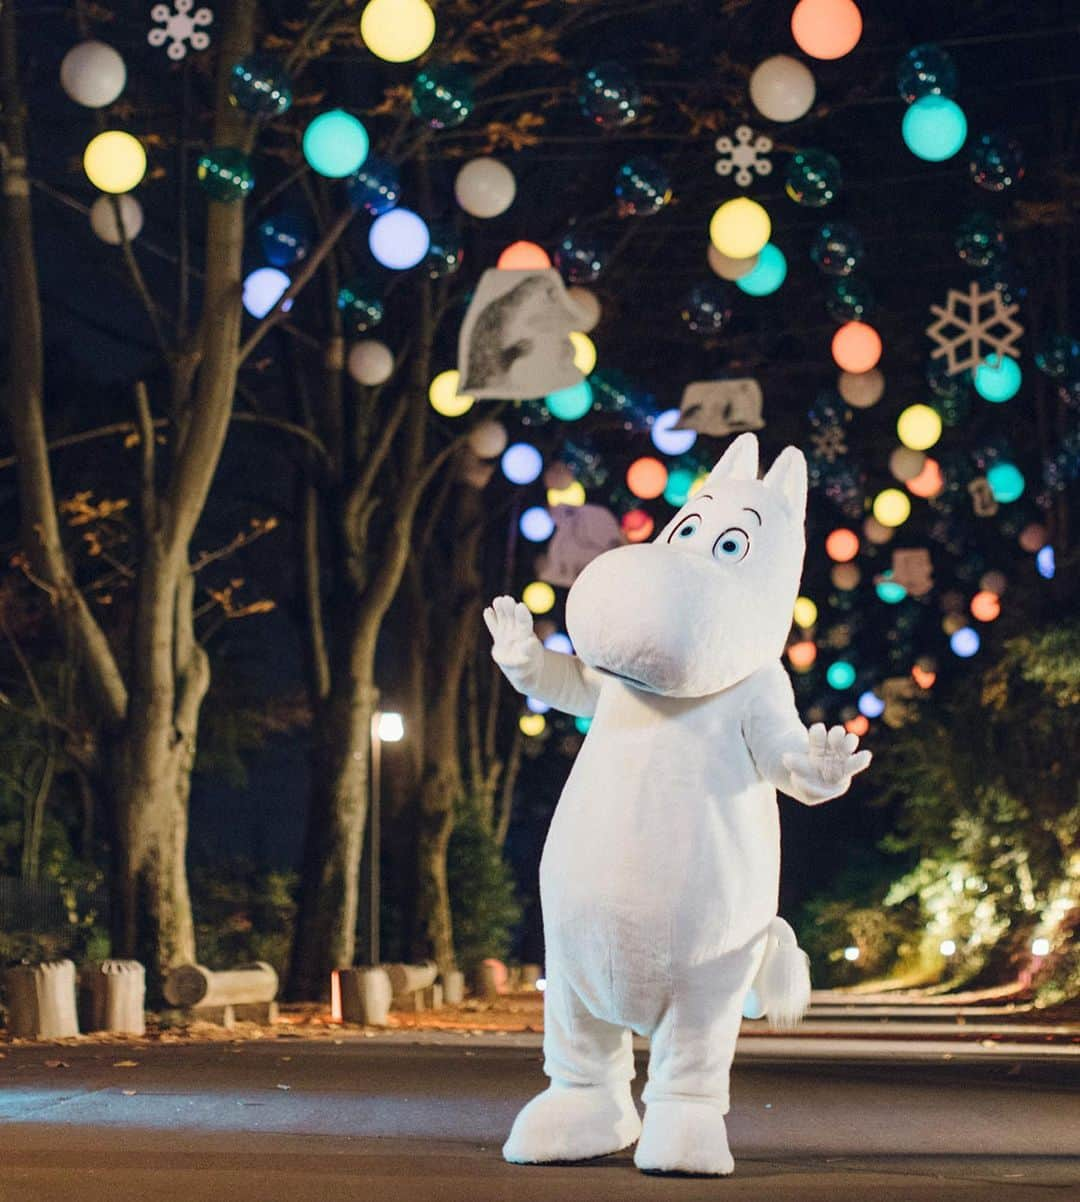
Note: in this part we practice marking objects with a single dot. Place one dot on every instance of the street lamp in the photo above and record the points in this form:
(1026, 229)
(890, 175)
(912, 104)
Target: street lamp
(386, 727)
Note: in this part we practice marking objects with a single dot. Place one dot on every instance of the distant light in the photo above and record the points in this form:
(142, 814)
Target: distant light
(559, 642)
(924, 677)
(536, 524)
(840, 675)
(335, 144)
(444, 396)
(646, 478)
(858, 725)
(668, 440)
(985, 606)
(929, 482)
(805, 613)
(522, 463)
(1044, 562)
(801, 656)
(572, 494)
(390, 727)
(998, 378)
(263, 288)
(842, 545)
(536, 705)
(948, 947)
(532, 724)
(752, 1007)
(934, 128)
(965, 642)
(892, 592)
(870, 704)
(569, 404)
(680, 482)
(541, 984)
(523, 256)
(851, 954)
(740, 228)
(584, 352)
(1006, 482)
(582, 724)
(637, 525)
(768, 274)
(919, 427)
(114, 161)
(856, 347)
(1040, 947)
(539, 596)
(399, 239)
(397, 31)
(891, 508)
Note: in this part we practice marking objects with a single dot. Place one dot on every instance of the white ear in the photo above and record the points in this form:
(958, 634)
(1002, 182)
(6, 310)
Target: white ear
(787, 476)
(738, 462)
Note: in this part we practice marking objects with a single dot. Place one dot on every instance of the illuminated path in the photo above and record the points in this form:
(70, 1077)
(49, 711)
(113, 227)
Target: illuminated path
(391, 1120)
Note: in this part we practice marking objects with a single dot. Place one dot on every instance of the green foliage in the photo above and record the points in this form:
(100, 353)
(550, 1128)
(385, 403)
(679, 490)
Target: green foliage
(482, 900)
(242, 915)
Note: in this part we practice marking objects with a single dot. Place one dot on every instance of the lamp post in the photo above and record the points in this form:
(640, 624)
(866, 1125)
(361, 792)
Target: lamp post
(385, 728)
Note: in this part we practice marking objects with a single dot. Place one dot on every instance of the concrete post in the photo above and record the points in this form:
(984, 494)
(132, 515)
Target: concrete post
(113, 995)
(365, 995)
(41, 1000)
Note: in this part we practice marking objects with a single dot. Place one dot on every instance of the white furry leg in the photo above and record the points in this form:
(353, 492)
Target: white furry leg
(574, 1122)
(684, 1136)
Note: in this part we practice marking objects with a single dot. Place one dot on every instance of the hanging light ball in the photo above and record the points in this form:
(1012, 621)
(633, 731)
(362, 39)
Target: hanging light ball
(225, 174)
(842, 545)
(93, 74)
(979, 240)
(114, 161)
(861, 390)
(539, 596)
(444, 396)
(335, 143)
(891, 509)
(263, 288)
(370, 362)
(849, 299)
(996, 162)
(919, 427)
(998, 378)
(870, 704)
(485, 188)
(399, 239)
(929, 481)
(680, 484)
(801, 655)
(934, 128)
(840, 674)
(782, 88)
(359, 301)
(667, 439)
(532, 725)
(584, 352)
(522, 463)
(739, 228)
(442, 95)
(905, 464)
(805, 613)
(523, 256)
(1006, 482)
(572, 494)
(375, 186)
(260, 85)
(587, 305)
(845, 576)
(488, 439)
(397, 31)
(609, 95)
(965, 642)
(1033, 537)
(891, 591)
(925, 71)
(646, 478)
(768, 275)
(837, 248)
(1058, 356)
(707, 308)
(642, 187)
(446, 251)
(986, 606)
(729, 269)
(826, 29)
(285, 239)
(1003, 276)
(570, 404)
(813, 178)
(856, 347)
(580, 257)
(536, 524)
(104, 223)
(637, 525)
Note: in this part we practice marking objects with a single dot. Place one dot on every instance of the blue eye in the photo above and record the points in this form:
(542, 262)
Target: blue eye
(733, 545)
(687, 528)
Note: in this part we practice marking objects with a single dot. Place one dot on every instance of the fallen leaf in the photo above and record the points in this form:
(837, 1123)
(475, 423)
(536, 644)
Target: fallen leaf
(125, 1064)
(279, 1086)
(128, 1093)
(57, 1064)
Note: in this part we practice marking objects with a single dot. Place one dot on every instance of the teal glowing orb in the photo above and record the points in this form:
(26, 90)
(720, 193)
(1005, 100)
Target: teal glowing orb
(568, 404)
(335, 144)
(769, 273)
(583, 724)
(892, 592)
(1006, 482)
(998, 378)
(679, 483)
(840, 674)
(934, 128)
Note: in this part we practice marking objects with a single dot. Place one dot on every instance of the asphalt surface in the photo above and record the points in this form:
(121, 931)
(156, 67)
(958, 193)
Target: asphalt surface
(395, 1121)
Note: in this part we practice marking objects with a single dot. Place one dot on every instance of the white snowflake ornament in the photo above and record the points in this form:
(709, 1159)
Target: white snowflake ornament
(747, 153)
(181, 26)
(988, 328)
(829, 442)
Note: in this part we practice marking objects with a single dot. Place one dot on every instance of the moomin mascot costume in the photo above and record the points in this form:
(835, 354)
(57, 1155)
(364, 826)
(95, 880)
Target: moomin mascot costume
(660, 874)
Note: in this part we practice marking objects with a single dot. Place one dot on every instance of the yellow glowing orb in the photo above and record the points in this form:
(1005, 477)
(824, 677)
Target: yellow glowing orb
(919, 427)
(739, 228)
(699, 483)
(892, 507)
(532, 724)
(539, 597)
(805, 612)
(114, 161)
(572, 494)
(584, 352)
(397, 30)
(444, 397)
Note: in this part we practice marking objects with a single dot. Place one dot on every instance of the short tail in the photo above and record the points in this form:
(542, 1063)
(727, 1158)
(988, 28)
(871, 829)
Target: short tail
(782, 983)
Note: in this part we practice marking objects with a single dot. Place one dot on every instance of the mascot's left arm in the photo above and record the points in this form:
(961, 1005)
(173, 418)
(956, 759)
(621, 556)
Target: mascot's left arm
(814, 765)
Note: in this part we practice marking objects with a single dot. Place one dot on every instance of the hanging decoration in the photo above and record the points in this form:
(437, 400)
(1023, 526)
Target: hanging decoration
(739, 228)
(861, 390)
(103, 219)
(586, 304)
(514, 342)
(1058, 356)
(934, 128)
(570, 404)
(445, 397)
(747, 155)
(998, 379)
(93, 74)
(996, 162)
(521, 463)
(485, 188)
(782, 88)
(727, 268)
(582, 532)
(984, 325)
(263, 288)
(359, 300)
(637, 525)
(856, 347)
(375, 186)
(399, 239)
(581, 257)
(707, 308)
(983, 502)
(826, 29)
(114, 161)
(523, 256)
(813, 178)
(445, 252)
(181, 27)
(370, 362)
(225, 174)
(925, 71)
(442, 95)
(488, 439)
(335, 144)
(646, 478)
(721, 407)
(609, 95)
(979, 240)
(642, 187)
(837, 248)
(768, 275)
(669, 435)
(260, 85)
(397, 31)
(584, 352)
(849, 299)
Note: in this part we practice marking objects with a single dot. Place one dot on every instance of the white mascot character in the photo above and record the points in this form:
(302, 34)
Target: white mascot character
(660, 874)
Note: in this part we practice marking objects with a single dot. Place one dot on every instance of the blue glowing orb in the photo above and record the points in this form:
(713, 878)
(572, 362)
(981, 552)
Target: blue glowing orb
(399, 239)
(870, 704)
(840, 674)
(934, 128)
(1006, 482)
(1045, 563)
(536, 524)
(335, 144)
(752, 1007)
(965, 642)
(559, 642)
(668, 440)
(263, 288)
(522, 463)
(769, 273)
(998, 378)
(568, 404)
(536, 705)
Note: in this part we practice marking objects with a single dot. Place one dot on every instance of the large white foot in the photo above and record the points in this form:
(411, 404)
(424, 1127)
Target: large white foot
(573, 1122)
(684, 1137)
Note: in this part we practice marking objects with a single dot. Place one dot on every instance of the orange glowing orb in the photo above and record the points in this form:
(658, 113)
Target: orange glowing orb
(826, 28)
(646, 478)
(858, 725)
(524, 256)
(801, 656)
(923, 677)
(842, 545)
(856, 347)
(985, 606)
(929, 482)
(637, 525)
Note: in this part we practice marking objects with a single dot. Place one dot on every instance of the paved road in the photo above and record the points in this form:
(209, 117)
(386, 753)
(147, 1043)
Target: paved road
(394, 1121)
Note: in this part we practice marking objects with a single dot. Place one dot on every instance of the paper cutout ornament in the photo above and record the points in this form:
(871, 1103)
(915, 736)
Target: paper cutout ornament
(982, 497)
(721, 407)
(180, 26)
(582, 532)
(912, 568)
(984, 325)
(745, 155)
